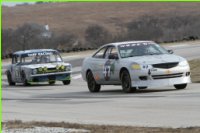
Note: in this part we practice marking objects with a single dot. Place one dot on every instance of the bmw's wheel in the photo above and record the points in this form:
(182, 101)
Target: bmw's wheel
(126, 82)
(9, 77)
(180, 86)
(92, 85)
(52, 82)
(24, 80)
(66, 82)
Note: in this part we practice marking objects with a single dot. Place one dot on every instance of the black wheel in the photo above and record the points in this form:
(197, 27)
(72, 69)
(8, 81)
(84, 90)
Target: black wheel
(92, 85)
(24, 80)
(66, 82)
(52, 82)
(180, 86)
(142, 87)
(126, 82)
(9, 77)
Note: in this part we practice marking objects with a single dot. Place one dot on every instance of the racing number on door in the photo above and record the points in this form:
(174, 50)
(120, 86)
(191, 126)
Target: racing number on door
(106, 72)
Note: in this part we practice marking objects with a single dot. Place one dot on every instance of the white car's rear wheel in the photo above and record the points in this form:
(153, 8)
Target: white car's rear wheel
(9, 77)
(92, 85)
(126, 82)
(180, 86)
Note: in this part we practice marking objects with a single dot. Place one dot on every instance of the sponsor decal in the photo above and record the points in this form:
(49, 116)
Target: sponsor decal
(167, 71)
(96, 77)
(42, 53)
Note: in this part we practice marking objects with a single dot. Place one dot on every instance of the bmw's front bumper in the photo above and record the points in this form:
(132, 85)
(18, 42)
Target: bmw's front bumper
(160, 77)
(60, 76)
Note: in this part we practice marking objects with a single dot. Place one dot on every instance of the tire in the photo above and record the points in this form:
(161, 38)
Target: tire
(142, 87)
(92, 85)
(126, 82)
(24, 80)
(180, 86)
(52, 82)
(10, 81)
(66, 82)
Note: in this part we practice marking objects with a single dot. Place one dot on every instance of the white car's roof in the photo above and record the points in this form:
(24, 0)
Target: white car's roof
(129, 42)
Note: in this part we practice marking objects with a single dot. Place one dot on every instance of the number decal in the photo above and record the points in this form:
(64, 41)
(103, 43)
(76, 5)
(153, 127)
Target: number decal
(108, 69)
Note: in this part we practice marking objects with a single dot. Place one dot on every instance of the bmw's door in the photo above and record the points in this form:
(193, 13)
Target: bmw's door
(15, 68)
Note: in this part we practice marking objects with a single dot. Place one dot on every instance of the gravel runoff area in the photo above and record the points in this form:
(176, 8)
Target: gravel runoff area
(45, 130)
(63, 127)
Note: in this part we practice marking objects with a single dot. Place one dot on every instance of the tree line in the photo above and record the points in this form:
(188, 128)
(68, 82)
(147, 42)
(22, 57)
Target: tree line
(169, 28)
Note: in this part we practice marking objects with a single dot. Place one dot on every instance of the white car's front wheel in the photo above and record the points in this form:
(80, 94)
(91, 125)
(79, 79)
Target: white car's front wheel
(92, 85)
(126, 82)
(180, 86)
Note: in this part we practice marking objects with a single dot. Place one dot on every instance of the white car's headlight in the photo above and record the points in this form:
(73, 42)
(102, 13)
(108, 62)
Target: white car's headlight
(136, 66)
(34, 71)
(183, 63)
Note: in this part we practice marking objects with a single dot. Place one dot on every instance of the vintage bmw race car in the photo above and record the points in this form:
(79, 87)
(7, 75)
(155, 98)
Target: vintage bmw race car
(135, 65)
(39, 65)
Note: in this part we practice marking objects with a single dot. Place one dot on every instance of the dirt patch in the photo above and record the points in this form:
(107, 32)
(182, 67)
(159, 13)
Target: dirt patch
(195, 70)
(99, 128)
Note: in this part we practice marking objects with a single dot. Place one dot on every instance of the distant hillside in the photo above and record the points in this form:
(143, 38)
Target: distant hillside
(81, 26)
(76, 17)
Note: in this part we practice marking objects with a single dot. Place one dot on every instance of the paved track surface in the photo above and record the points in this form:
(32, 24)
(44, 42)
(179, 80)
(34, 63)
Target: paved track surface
(151, 107)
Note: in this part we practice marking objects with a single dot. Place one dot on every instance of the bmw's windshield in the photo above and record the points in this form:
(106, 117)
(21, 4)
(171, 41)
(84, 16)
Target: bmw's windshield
(140, 49)
(41, 58)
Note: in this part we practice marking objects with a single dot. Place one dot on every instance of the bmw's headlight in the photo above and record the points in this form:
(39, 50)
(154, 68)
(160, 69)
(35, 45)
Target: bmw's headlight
(34, 71)
(68, 68)
(136, 66)
(183, 63)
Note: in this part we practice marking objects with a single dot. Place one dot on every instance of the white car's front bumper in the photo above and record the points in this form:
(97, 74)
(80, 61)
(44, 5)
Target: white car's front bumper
(161, 77)
(161, 82)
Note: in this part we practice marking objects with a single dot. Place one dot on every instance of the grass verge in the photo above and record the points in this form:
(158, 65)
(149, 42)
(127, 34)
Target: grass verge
(195, 70)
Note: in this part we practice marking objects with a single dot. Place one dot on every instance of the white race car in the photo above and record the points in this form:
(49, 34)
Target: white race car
(39, 65)
(135, 65)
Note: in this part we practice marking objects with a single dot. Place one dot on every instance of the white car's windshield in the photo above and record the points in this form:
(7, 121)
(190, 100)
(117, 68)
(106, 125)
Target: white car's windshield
(140, 49)
(40, 58)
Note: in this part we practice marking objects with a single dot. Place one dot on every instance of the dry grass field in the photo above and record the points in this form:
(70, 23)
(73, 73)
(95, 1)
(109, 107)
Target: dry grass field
(76, 17)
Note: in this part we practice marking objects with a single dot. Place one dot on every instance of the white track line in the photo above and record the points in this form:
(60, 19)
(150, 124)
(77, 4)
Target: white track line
(176, 46)
(77, 77)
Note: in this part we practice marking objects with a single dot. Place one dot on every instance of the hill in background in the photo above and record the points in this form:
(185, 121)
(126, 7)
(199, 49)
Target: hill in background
(76, 17)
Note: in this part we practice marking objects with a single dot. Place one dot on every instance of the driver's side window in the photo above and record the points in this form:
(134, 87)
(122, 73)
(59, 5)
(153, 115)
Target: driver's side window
(100, 53)
(15, 59)
(111, 51)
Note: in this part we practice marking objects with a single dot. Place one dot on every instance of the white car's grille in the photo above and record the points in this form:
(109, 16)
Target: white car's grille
(175, 75)
(165, 65)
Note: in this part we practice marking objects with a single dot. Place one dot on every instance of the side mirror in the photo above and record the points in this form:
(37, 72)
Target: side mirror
(113, 56)
(170, 51)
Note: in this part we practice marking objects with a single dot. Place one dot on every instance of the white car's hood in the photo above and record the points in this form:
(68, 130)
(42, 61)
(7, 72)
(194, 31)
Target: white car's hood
(48, 65)
(155, 59)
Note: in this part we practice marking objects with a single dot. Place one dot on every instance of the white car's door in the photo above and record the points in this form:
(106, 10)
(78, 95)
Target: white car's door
(97, 63)
(111, 66)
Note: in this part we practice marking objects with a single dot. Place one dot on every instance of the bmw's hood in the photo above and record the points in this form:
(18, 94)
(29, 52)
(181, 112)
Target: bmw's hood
(155, 59)
(48, 65)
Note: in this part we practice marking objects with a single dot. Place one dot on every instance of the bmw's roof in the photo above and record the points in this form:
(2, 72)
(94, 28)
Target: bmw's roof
(34, 51)
(129, 42)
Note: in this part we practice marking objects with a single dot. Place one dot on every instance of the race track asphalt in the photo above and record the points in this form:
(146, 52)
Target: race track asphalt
(155, 107)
